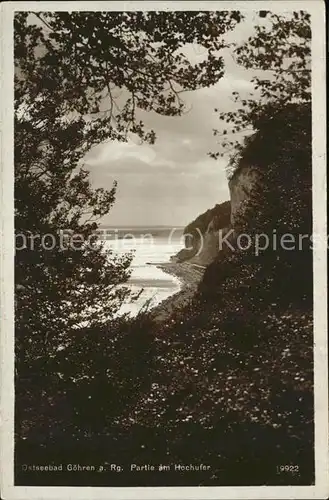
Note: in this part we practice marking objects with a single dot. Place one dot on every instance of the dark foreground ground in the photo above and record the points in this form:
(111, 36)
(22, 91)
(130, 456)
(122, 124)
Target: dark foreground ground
(226, 401)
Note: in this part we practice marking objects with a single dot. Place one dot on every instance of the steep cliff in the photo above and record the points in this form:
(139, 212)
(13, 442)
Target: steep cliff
(270, 190)
(202, 235)
(241, 185)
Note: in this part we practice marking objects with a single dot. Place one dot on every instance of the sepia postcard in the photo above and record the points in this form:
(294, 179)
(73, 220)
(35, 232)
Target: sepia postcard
(163, 250)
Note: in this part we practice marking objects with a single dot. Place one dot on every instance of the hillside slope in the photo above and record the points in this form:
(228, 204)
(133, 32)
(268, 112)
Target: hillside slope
(202, 235)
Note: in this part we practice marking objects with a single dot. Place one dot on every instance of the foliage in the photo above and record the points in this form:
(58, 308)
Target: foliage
(233, 380)
(281, 153)
(278, 54)
(68, 65)
(228, 381)
(280, 203)
(195, 230)
(89, 56)
(69, 71)
(87, 385)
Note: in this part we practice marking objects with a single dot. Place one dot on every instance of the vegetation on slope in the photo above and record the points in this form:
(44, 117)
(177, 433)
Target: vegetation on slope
(228, 380)
(219, 215)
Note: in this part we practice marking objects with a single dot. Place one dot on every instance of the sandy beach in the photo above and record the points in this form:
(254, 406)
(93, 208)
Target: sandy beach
(189, 277)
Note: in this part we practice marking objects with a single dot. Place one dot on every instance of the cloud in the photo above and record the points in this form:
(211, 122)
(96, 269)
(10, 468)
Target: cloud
(174, 180)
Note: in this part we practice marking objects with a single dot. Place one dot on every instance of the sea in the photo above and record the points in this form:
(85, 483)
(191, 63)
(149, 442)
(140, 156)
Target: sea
(150, 245)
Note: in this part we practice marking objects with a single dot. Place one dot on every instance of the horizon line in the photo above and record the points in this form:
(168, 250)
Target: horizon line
(140, 226)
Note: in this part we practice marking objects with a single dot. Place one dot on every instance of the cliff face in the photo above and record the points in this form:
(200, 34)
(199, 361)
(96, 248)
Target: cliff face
(202, 235)
(241, 186)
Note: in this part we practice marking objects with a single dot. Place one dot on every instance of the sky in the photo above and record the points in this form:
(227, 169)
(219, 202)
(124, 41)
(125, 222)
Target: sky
(173, 181)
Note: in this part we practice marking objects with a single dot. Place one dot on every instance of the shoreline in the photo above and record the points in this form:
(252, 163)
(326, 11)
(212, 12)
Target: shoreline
(189, 279)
